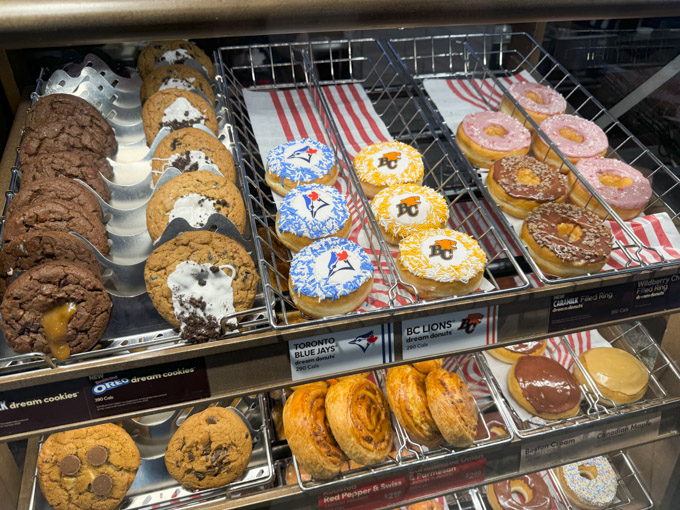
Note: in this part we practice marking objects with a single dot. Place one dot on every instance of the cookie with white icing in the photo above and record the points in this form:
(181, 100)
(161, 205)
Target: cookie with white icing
(299, 162)
(331, 276)
(176, 109)
(387, 164)
(171, 52)
(194, 196)
(311, 212)
(176, 76)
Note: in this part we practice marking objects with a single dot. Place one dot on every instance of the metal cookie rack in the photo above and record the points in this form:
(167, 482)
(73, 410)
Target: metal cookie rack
(363, 62)
(483, 61)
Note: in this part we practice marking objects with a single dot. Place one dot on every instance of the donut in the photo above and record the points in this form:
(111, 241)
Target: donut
(485, 137)
(520, 184)
(387, 164)
(566, 240)
(539, 101)
(495, 424)
(440, 263)
(625, 189)
(575, 137)
(544, 387)
(589, 484)
(404, 209)
(532, 488)
(619, 375)
(310, 212)
(299, 162)
(331, 276)
(510, 353)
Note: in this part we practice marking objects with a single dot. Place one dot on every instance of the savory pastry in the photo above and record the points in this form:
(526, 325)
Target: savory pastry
(589, 484)
(298, 162)
(360, 420)
(619, 375)
(532, 488)
(485, 137)
(539, 101)
(387, 164)
(452, 406)
(510, 353)
(428, 366)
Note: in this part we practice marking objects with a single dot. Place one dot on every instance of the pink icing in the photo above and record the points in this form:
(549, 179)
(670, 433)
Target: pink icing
(594, 139)
(553, 102)
(516, 137)
(635, 196)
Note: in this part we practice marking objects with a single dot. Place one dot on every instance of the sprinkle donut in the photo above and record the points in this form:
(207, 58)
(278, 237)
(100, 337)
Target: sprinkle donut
(310, 212)
(387, 164)
(299, 162)
(441, 263)
(589, 484)
(403, 210)
(575, 137)
(331, 276)
(539, 101)
(485, 137)
(625, 189)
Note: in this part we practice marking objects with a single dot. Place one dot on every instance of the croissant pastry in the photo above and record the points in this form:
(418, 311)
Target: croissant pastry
(452, 406)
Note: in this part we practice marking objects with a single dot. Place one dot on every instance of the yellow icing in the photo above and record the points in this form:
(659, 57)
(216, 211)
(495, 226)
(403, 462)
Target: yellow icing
(371, 174)
(616, 369)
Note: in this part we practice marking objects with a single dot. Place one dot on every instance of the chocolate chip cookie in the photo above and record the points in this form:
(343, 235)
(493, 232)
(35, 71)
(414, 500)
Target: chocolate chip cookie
(61, 188)
(210, 449)
(194, 197)
(172, 52)
(90, 468)
(76, 164)
(58, 308)
(188, 148)
(56, 215)
(176, 76)
(176, 109)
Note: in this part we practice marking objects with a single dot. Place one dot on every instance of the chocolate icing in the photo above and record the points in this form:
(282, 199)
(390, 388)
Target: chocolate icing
(551, 186)
(526, 348)
(547, 385)
(540, 494)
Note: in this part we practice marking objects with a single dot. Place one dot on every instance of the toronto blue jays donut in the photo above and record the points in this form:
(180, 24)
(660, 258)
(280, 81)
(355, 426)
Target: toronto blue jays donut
(298, 162)
(331, 276)
(310, 212)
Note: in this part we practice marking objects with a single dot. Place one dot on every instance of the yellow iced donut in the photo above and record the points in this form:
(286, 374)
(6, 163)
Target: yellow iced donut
(387, 164)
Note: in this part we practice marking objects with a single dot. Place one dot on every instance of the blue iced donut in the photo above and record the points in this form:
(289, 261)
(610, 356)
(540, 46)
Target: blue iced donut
(331, 276)
(300, 162)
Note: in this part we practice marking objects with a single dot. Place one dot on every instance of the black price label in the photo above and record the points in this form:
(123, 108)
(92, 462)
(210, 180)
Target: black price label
(584, 308)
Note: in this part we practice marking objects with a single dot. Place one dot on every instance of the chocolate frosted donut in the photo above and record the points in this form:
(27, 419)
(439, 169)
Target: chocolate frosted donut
(565, 240)
(532, 488)
(61, 188)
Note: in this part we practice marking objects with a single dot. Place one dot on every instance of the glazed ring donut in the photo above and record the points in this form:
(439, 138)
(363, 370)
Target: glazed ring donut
(565, 240)
(625, 189)
(512, 352)
(589, 484)
(531, 487)
(539, 101)
(575, 137)
(519, 184)
(485, 137)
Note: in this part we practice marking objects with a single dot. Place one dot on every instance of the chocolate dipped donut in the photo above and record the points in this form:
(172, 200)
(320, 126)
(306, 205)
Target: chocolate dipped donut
(532, 488)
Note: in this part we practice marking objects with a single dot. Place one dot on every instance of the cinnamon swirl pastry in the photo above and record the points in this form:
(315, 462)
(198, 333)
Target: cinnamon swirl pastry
(428, 366)
(452, 406)
(309, 437)
(360, 420)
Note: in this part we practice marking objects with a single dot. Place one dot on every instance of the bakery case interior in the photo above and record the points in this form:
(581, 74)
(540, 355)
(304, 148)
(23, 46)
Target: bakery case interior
(272, 271)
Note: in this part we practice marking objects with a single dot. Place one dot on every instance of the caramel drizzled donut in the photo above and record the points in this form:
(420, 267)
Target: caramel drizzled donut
(532, 488)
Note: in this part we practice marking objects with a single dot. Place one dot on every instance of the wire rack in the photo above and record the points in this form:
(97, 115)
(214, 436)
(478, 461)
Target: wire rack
(488, 58)
(316, 67)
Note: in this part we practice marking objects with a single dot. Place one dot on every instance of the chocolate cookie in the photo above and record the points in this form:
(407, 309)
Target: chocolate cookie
(172, 52)
(90, 468)
(76, 164)
(58, 308)
(176, 76)
(210, 449)
(194, 197)
(61, 188)
(61, 106)
(56, 215)
(211, 276)
(176, 109)
(186, 149)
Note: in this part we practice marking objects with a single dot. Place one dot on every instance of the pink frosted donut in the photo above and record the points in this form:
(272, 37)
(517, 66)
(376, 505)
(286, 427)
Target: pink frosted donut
(624, 188)
(575, 137)
(485, 137)
(539, 101)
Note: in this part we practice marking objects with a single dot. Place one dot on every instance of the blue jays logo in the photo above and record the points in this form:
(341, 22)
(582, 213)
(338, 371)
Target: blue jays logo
(365, 341)
(339, 262)
(314, 203)
(305, 154)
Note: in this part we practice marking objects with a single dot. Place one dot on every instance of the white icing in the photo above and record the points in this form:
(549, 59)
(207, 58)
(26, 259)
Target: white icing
(423, 209)
(402, 163)
(459, 254)
(194, 157)
(194, 208)
(182, 110)
(340, 276)
(10, 271)
(177, 83)
(172, 56)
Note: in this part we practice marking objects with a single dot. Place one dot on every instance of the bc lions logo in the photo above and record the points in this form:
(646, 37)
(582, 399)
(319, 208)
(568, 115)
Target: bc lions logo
(470, 322)
(365, 341)
(443, 248)
(305, 154)
(408, 206)
(390, 160)
(339, 262)
(313, 203)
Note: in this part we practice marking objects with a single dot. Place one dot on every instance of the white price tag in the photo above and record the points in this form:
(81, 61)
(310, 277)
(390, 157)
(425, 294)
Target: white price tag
(441, 334)
(538, 454)
(328, 354)
(638, 430)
